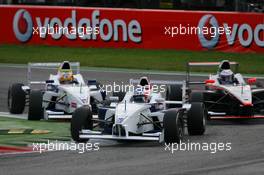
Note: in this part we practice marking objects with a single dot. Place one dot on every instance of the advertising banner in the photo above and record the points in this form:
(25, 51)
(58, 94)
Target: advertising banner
(132, 28)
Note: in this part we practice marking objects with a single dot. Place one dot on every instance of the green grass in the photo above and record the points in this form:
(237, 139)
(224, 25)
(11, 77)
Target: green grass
(58, 131)
(168, 60)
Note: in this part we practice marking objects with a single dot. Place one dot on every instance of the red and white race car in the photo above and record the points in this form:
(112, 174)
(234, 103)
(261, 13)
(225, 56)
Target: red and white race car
(227, 95)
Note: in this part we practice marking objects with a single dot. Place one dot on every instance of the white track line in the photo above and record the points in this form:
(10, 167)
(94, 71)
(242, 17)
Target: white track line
(17, 153)
(17, 116)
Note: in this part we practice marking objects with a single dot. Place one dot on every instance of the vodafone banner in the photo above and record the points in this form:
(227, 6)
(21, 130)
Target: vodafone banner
(129, 28)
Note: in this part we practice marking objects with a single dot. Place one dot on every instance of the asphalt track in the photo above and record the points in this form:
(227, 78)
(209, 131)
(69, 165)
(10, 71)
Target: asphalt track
(245, 157)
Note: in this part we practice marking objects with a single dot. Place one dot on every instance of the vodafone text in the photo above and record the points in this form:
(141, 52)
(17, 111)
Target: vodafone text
(93, 28)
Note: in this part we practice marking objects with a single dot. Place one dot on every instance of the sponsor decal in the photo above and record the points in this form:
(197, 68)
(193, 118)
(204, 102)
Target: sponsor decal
(73, 105)
(119, 28)
(245, 33)
(22, 25)
(205, 42)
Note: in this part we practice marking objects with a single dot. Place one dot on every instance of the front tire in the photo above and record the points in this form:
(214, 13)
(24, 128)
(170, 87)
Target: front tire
(16, 99)
(196, 119)
(35, 110)
(81, 119)
(173, 126)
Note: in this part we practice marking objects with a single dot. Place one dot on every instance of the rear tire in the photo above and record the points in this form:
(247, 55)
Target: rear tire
(173, 126)
(174, 93)
(16, 99)
(258, 107)
(197, 97)
(196, 119)
(259, 84)
(81, 119)
(35, 110)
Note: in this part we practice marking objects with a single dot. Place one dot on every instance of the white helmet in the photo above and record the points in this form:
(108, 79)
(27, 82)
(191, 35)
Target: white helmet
(226, 76)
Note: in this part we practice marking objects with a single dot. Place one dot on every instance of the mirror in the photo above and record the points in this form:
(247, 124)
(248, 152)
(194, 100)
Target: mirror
(209, 81)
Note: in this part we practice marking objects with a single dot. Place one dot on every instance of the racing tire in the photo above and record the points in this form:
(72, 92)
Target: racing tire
(259, 84)
(196, 119)
(16, 99)
(196, 97)
(120, 95)
(81, 119)
(258, 107)
(174, 93)
(35, 109)
(173, 126)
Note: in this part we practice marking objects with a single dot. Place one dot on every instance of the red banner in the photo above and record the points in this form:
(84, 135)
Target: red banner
(130, 28)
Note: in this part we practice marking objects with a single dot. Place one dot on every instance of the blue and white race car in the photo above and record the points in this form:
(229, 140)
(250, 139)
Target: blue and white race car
(58, 96)
(142, 115)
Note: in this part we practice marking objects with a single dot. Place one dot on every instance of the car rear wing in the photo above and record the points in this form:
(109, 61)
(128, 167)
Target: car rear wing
(208, 63)
(157, 82)
(204, 64)
(74, 65)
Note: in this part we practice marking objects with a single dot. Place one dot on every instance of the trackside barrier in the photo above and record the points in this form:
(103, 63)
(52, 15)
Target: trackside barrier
(132, 28)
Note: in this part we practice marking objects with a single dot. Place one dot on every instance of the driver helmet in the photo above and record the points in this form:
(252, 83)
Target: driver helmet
(140, 95)
(65, 73)
(226, 76)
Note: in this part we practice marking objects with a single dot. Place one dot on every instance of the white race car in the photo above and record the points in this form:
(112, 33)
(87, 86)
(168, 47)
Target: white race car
(141, 115)
(56, 98)
(227, 95)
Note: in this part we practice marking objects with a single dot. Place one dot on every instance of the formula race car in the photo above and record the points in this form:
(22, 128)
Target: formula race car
(226, 94)
(142, 115)
(56, 98)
